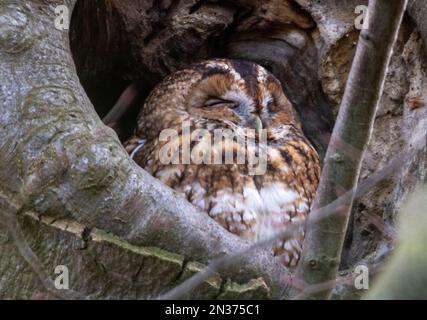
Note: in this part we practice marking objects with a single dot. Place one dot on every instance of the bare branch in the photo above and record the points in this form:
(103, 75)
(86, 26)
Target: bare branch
(122, 105)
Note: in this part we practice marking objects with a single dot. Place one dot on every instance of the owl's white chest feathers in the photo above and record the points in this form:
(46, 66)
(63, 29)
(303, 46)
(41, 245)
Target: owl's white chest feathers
(264, 211)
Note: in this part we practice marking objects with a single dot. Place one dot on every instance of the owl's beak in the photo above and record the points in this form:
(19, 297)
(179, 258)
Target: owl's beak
(257, 124)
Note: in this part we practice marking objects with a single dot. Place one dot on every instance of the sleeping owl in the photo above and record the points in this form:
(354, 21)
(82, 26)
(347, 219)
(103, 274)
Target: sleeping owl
(177, 142)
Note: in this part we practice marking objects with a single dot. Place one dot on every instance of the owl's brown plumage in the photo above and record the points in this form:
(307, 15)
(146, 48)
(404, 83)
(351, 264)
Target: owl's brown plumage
(238, 96)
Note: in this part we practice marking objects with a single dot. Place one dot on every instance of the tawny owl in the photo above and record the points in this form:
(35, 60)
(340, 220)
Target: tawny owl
(177, 142)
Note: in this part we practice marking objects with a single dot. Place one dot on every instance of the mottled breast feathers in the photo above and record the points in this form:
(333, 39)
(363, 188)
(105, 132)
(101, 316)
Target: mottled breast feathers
(246, 101)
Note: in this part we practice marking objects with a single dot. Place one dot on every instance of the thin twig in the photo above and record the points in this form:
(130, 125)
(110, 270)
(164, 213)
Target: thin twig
(122, 105)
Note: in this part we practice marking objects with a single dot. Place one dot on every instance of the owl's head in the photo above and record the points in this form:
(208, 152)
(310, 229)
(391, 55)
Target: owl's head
(242, 93)
(233, 92)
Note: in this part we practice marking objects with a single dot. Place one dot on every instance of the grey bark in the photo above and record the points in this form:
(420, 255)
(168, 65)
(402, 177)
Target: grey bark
(418, 10)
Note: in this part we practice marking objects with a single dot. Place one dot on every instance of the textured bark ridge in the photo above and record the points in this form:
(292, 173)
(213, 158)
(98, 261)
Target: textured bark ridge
(79, 200)
(102, 265)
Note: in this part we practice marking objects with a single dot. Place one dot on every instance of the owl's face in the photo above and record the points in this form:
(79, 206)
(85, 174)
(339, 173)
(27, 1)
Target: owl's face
(241, 93)
(228, 93)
